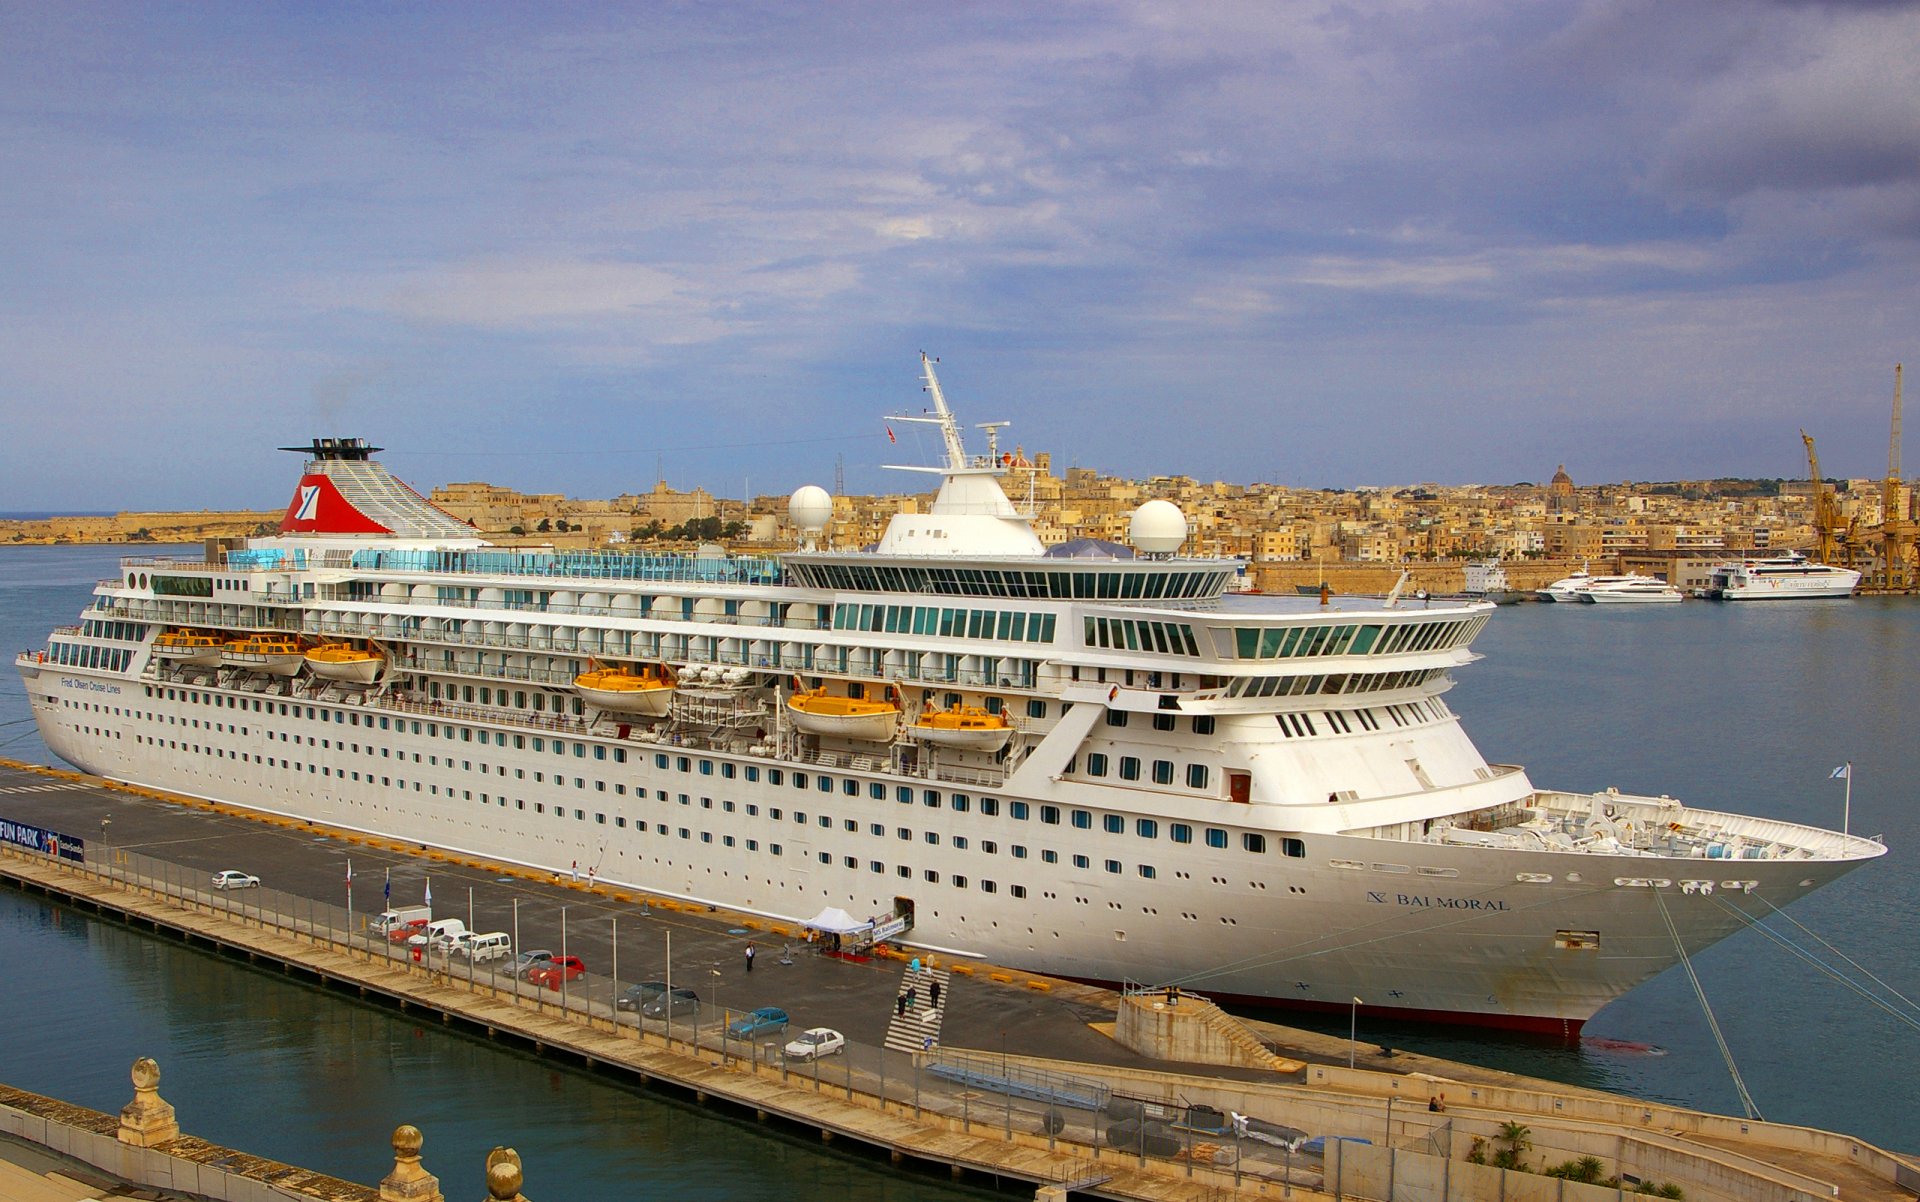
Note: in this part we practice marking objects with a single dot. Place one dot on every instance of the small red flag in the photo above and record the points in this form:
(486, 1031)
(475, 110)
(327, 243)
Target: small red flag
(890, 437)
(1113, 692)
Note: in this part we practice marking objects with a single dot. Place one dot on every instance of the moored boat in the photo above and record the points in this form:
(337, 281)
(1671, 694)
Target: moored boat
(1790, 576)
(1629, 590)
(1262, 797)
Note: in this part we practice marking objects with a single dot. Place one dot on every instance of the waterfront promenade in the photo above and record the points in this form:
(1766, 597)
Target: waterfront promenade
(1003, 1035)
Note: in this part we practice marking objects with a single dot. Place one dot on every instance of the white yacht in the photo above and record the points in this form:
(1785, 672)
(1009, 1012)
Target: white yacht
(1569, 588)
(1786, 577)
(1629, 590)
(1260, 797)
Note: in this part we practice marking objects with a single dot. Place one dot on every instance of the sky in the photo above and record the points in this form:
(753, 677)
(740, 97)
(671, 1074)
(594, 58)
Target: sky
(579, 248)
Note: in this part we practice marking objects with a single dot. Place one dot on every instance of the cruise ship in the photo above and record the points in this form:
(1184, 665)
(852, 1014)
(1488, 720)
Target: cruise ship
(1108, 768)
(1785, 577)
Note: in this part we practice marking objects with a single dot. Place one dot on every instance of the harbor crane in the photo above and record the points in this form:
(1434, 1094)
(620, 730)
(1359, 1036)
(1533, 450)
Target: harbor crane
(1827, 530)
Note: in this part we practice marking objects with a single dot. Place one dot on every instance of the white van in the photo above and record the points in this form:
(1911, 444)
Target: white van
(494, 945)
(441, 934)
(393, 920)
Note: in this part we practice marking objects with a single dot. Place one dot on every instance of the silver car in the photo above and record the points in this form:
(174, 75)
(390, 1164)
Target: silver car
(525, 962)
(231, 878)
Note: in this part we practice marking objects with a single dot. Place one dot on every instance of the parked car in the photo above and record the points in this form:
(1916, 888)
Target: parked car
(526, 962)
(440, 934)
(815, 1043)
(673, 1004)
(493, 945)
(551, 973)
(234, 879)
(765, 1020)
(406, 931)
(637, 996)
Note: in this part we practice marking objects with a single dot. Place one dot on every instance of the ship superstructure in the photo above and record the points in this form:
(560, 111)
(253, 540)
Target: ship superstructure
(1106, 768)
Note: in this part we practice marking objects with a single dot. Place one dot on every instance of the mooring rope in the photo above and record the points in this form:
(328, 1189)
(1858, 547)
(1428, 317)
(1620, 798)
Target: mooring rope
(1713, 1024)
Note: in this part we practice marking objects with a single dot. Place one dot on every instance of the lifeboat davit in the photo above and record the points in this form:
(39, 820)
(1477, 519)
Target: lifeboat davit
(967, 727)
(623, 690)
(822, 713)
(189, 647)
(344, 661)
(274, 654)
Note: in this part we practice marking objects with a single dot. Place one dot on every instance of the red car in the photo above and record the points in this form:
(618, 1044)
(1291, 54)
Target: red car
(407, 930)
(556, 970)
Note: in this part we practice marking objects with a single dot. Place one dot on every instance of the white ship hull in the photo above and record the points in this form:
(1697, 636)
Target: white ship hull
(1456, 933)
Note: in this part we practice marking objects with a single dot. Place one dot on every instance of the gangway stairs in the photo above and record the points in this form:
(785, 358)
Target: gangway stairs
(918, 1029)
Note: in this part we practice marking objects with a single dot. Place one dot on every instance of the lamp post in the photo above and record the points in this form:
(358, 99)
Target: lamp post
(714, 971)
(1353, 1030)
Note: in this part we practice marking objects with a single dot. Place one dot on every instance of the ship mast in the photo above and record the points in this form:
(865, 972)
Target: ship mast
(942, 416)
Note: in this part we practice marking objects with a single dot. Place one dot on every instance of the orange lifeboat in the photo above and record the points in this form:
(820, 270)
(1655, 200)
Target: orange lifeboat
(818, 712)
(967, 727)
(344, 661)
(646, 692)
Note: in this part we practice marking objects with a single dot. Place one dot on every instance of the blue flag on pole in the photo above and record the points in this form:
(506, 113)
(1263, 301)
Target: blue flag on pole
(1843, 772)
(386, 890)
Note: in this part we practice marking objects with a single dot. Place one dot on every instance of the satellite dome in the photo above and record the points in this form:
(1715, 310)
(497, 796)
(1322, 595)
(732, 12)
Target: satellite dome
(810, 508)
(1158, 528)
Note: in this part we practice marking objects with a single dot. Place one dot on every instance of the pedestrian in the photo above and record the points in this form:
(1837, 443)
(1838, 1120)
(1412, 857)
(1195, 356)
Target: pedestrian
(910, 997)
(900, 1006)
(576, 872)
(749, 957)
(934, 989)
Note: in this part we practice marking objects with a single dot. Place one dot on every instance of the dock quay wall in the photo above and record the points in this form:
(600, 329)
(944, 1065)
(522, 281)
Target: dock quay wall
(184, 1165)
(966, 1141)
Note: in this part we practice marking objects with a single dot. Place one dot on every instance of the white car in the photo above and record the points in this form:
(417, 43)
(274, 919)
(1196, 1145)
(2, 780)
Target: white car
(815, 1043)
(233, 879)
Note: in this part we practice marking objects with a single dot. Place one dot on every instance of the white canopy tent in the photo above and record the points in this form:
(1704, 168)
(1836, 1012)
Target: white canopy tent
(835, 921)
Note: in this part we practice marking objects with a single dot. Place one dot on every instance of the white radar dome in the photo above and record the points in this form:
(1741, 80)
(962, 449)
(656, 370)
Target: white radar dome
(1158, 528)
(810, 508)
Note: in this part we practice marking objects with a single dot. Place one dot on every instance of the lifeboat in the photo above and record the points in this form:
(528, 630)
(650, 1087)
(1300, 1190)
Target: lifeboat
(189, 647)
(967, 727)
(822, 713)
(274, 654)
(646, 692)
(344, 661)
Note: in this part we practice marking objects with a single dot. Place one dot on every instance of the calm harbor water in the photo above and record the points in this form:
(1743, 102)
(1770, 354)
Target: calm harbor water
(1730, 706)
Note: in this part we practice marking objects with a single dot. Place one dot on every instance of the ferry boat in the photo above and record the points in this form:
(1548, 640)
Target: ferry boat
(1254, 796)
(1785, 577)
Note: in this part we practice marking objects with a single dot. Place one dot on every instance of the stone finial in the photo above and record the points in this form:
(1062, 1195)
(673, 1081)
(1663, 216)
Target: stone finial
(409, 1181)
(504, 1176)
(148, 1120)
